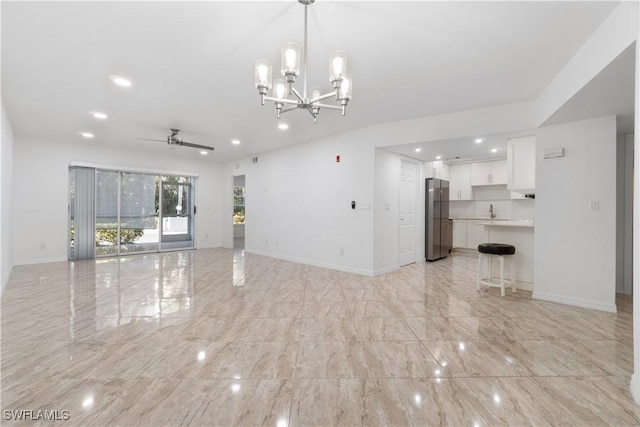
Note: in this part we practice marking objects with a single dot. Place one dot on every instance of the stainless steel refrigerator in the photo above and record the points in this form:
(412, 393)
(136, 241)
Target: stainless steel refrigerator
(438, 227)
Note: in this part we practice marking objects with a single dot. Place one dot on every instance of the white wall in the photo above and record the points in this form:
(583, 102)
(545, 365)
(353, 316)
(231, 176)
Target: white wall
(575, 248)
(41, 186)
(635, 378)
(6, 187)
(386, 221)
(298, 203)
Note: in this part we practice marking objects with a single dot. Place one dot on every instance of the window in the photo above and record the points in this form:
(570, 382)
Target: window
(238, 205)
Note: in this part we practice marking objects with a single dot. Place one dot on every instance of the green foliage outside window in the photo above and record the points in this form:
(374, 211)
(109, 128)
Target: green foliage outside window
(127, 235)
(238, 205)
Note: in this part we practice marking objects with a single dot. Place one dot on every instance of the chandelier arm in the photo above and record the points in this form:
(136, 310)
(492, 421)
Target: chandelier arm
(283, 101)
(297, 94)
(288, 108)
(321, 97)
(329, 106)
(310, 112)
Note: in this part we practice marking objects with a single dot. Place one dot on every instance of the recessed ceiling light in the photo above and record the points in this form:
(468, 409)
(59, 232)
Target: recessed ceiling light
(235, 141)
(87, 135)
(283, 126)
(418, 150)
(99, 115)
(121, 81)
(438, 157)
(204, 153)
(494, 150)
(479, 140)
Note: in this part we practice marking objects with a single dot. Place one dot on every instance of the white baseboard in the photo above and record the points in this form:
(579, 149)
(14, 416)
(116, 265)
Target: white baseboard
(525, 286)
(635, 387)
(579, 302)
(39, 261)
(311, 262)
(386, 270)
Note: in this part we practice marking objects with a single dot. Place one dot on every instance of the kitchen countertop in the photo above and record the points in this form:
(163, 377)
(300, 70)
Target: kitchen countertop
(507, 223)
(483, 219)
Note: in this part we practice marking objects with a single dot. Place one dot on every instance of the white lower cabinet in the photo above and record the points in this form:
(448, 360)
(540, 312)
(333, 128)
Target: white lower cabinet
(459, 233)
(476, 233)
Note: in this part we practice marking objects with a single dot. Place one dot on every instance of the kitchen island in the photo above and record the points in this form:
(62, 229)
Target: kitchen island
(520, 235)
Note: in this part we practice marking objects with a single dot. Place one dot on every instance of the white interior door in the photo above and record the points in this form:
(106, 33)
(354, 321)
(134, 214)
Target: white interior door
(408, 190)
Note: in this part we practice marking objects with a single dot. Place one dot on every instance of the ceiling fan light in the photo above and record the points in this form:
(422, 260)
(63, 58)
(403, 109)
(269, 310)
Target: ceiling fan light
(290, 64)
(337, 64)
(264, 71)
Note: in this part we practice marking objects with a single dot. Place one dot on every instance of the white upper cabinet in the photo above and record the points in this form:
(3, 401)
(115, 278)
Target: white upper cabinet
(521, 160)
(437, 169)
(489, 173)
(460, 182)
(498, 172)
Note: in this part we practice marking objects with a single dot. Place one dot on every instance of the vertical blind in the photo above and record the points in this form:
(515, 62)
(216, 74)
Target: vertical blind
(84, 212)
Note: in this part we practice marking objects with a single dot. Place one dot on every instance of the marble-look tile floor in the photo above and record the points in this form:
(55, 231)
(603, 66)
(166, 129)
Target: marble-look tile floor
(219, 337)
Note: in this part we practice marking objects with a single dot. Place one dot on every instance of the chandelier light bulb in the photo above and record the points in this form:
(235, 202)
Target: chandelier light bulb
(337, 64)
(264, 71)
(290, 58)
(345, 87)
(280, 89)
(290, 61)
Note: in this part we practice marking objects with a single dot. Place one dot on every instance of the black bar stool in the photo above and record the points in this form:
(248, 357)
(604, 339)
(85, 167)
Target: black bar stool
(501, 251)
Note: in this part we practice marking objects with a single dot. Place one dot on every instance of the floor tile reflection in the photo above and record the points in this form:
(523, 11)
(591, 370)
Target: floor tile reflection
(222, 337)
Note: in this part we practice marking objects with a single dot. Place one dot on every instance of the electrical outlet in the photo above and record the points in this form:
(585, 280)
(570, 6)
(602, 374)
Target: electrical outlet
(341, 251)
(43, 246)
(266, 242)
(594, 205)
(43, 280)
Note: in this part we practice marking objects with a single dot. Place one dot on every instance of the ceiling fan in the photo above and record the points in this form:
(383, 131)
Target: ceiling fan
(174, 140)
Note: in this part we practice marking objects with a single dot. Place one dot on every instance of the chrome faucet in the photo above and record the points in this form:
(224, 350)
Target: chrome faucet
(491, 214)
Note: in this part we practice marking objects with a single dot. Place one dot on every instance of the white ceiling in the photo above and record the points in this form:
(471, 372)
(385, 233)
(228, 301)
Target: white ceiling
(191, 64)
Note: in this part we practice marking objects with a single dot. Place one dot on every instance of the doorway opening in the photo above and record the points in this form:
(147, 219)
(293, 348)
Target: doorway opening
(239, 213)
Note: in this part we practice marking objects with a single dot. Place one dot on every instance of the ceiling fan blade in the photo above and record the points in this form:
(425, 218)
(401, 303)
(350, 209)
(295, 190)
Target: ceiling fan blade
(148, 139)
(202, 147)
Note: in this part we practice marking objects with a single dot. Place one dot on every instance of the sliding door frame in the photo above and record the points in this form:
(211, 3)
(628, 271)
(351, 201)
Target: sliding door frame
(192, 179)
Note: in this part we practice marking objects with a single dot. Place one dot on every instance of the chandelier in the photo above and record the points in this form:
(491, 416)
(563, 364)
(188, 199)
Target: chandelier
(290, 69)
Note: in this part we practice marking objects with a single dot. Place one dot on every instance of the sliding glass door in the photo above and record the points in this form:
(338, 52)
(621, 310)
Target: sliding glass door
(106, 213)
(114, 212)
(177, 212)
(139, 216)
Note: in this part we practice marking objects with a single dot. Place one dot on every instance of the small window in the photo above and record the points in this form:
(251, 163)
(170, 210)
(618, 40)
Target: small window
(238, 205)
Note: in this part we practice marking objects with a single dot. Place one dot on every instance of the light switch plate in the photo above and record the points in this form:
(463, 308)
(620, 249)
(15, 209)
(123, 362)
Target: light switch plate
(594, 205)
